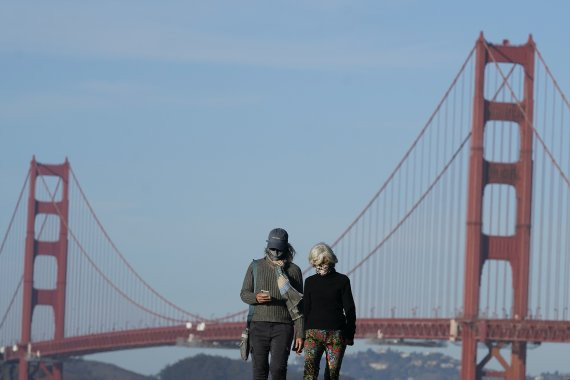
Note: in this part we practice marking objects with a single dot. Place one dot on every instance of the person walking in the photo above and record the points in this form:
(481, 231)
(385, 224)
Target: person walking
(277, 307)
(330, 314)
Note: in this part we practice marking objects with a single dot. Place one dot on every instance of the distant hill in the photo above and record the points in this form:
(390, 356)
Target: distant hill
(363, 365)
(79, 369)
(366, 365)
(207, 367)
(383, 364)
(393, 365)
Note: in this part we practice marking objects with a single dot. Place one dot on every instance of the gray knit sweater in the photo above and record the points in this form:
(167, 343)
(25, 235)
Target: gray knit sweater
(276, 310)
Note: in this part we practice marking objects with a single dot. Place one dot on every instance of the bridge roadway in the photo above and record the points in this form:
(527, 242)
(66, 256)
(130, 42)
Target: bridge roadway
(228, 333)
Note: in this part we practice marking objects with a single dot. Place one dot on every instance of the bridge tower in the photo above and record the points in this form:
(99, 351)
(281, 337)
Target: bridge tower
(32, 296)
(480, 247)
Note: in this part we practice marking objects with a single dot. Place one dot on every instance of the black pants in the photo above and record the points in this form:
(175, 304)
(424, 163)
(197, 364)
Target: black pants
(274, 338)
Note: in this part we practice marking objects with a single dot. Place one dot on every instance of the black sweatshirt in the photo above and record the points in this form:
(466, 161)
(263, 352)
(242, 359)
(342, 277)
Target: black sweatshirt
(329, 304)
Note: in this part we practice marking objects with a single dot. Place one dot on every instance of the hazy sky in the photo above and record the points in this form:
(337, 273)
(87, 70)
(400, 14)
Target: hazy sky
(196, 127)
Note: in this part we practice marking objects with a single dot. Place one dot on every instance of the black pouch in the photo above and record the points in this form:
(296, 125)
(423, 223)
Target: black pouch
(244, 344)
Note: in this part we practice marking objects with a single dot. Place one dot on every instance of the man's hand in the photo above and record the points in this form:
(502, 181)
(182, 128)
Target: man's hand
(298, 346)
(349, 342)
(262, 297)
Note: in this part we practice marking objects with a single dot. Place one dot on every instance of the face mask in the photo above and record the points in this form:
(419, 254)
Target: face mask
(323, 269)
(274, 254)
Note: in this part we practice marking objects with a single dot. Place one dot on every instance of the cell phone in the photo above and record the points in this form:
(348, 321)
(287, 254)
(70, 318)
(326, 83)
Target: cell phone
(265, 291)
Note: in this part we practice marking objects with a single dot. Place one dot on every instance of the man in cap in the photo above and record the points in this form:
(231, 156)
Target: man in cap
(277, 317)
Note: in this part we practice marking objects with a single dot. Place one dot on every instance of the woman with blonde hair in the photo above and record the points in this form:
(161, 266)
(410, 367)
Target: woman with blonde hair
(330, 314)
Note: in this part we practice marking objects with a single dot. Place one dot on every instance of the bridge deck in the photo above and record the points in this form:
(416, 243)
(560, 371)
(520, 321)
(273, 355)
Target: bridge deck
(373, 328)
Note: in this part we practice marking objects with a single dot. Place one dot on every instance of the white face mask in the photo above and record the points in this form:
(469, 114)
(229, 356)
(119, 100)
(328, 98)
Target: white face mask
(323, 269)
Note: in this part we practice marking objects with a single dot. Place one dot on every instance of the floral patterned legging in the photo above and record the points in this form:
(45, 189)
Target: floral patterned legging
(317, 342)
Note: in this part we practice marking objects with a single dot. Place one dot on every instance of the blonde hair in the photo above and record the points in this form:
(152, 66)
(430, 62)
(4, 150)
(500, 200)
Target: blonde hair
(322, 253)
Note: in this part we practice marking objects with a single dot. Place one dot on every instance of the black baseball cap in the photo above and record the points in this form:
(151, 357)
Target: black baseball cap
(278, 239)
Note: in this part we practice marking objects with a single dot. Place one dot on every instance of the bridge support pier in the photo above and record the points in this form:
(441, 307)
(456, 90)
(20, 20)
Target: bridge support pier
(53, 372)
(23, 369)
(471, 370)
(518, 361)
(39, 369)
(469, 353)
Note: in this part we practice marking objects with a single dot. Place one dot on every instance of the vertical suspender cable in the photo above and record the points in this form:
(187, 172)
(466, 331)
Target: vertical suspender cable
(389, 252)
(541, 216)
(364, 251)
(550, 187)
(76, 265)
(377, 290)
(415, 248)
(423, 231)
(457, 194)
(441, 262)
(349, 252)
(356, 251)
(429, 240)
(560, 202)
(553, 277)
(369, 279)
(359, 276)
(449, 226)
(397, 241)
(564, 236)
(407, 262)
(437, 238)
(403, 243)
(533, 289)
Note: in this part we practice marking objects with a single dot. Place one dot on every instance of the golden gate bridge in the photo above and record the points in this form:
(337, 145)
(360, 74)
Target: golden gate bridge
(467, 240)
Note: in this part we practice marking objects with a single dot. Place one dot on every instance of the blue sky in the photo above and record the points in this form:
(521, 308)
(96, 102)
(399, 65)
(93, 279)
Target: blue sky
(195, 127)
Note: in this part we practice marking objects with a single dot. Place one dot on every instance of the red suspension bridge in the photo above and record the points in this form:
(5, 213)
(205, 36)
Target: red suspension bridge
(467, 240)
